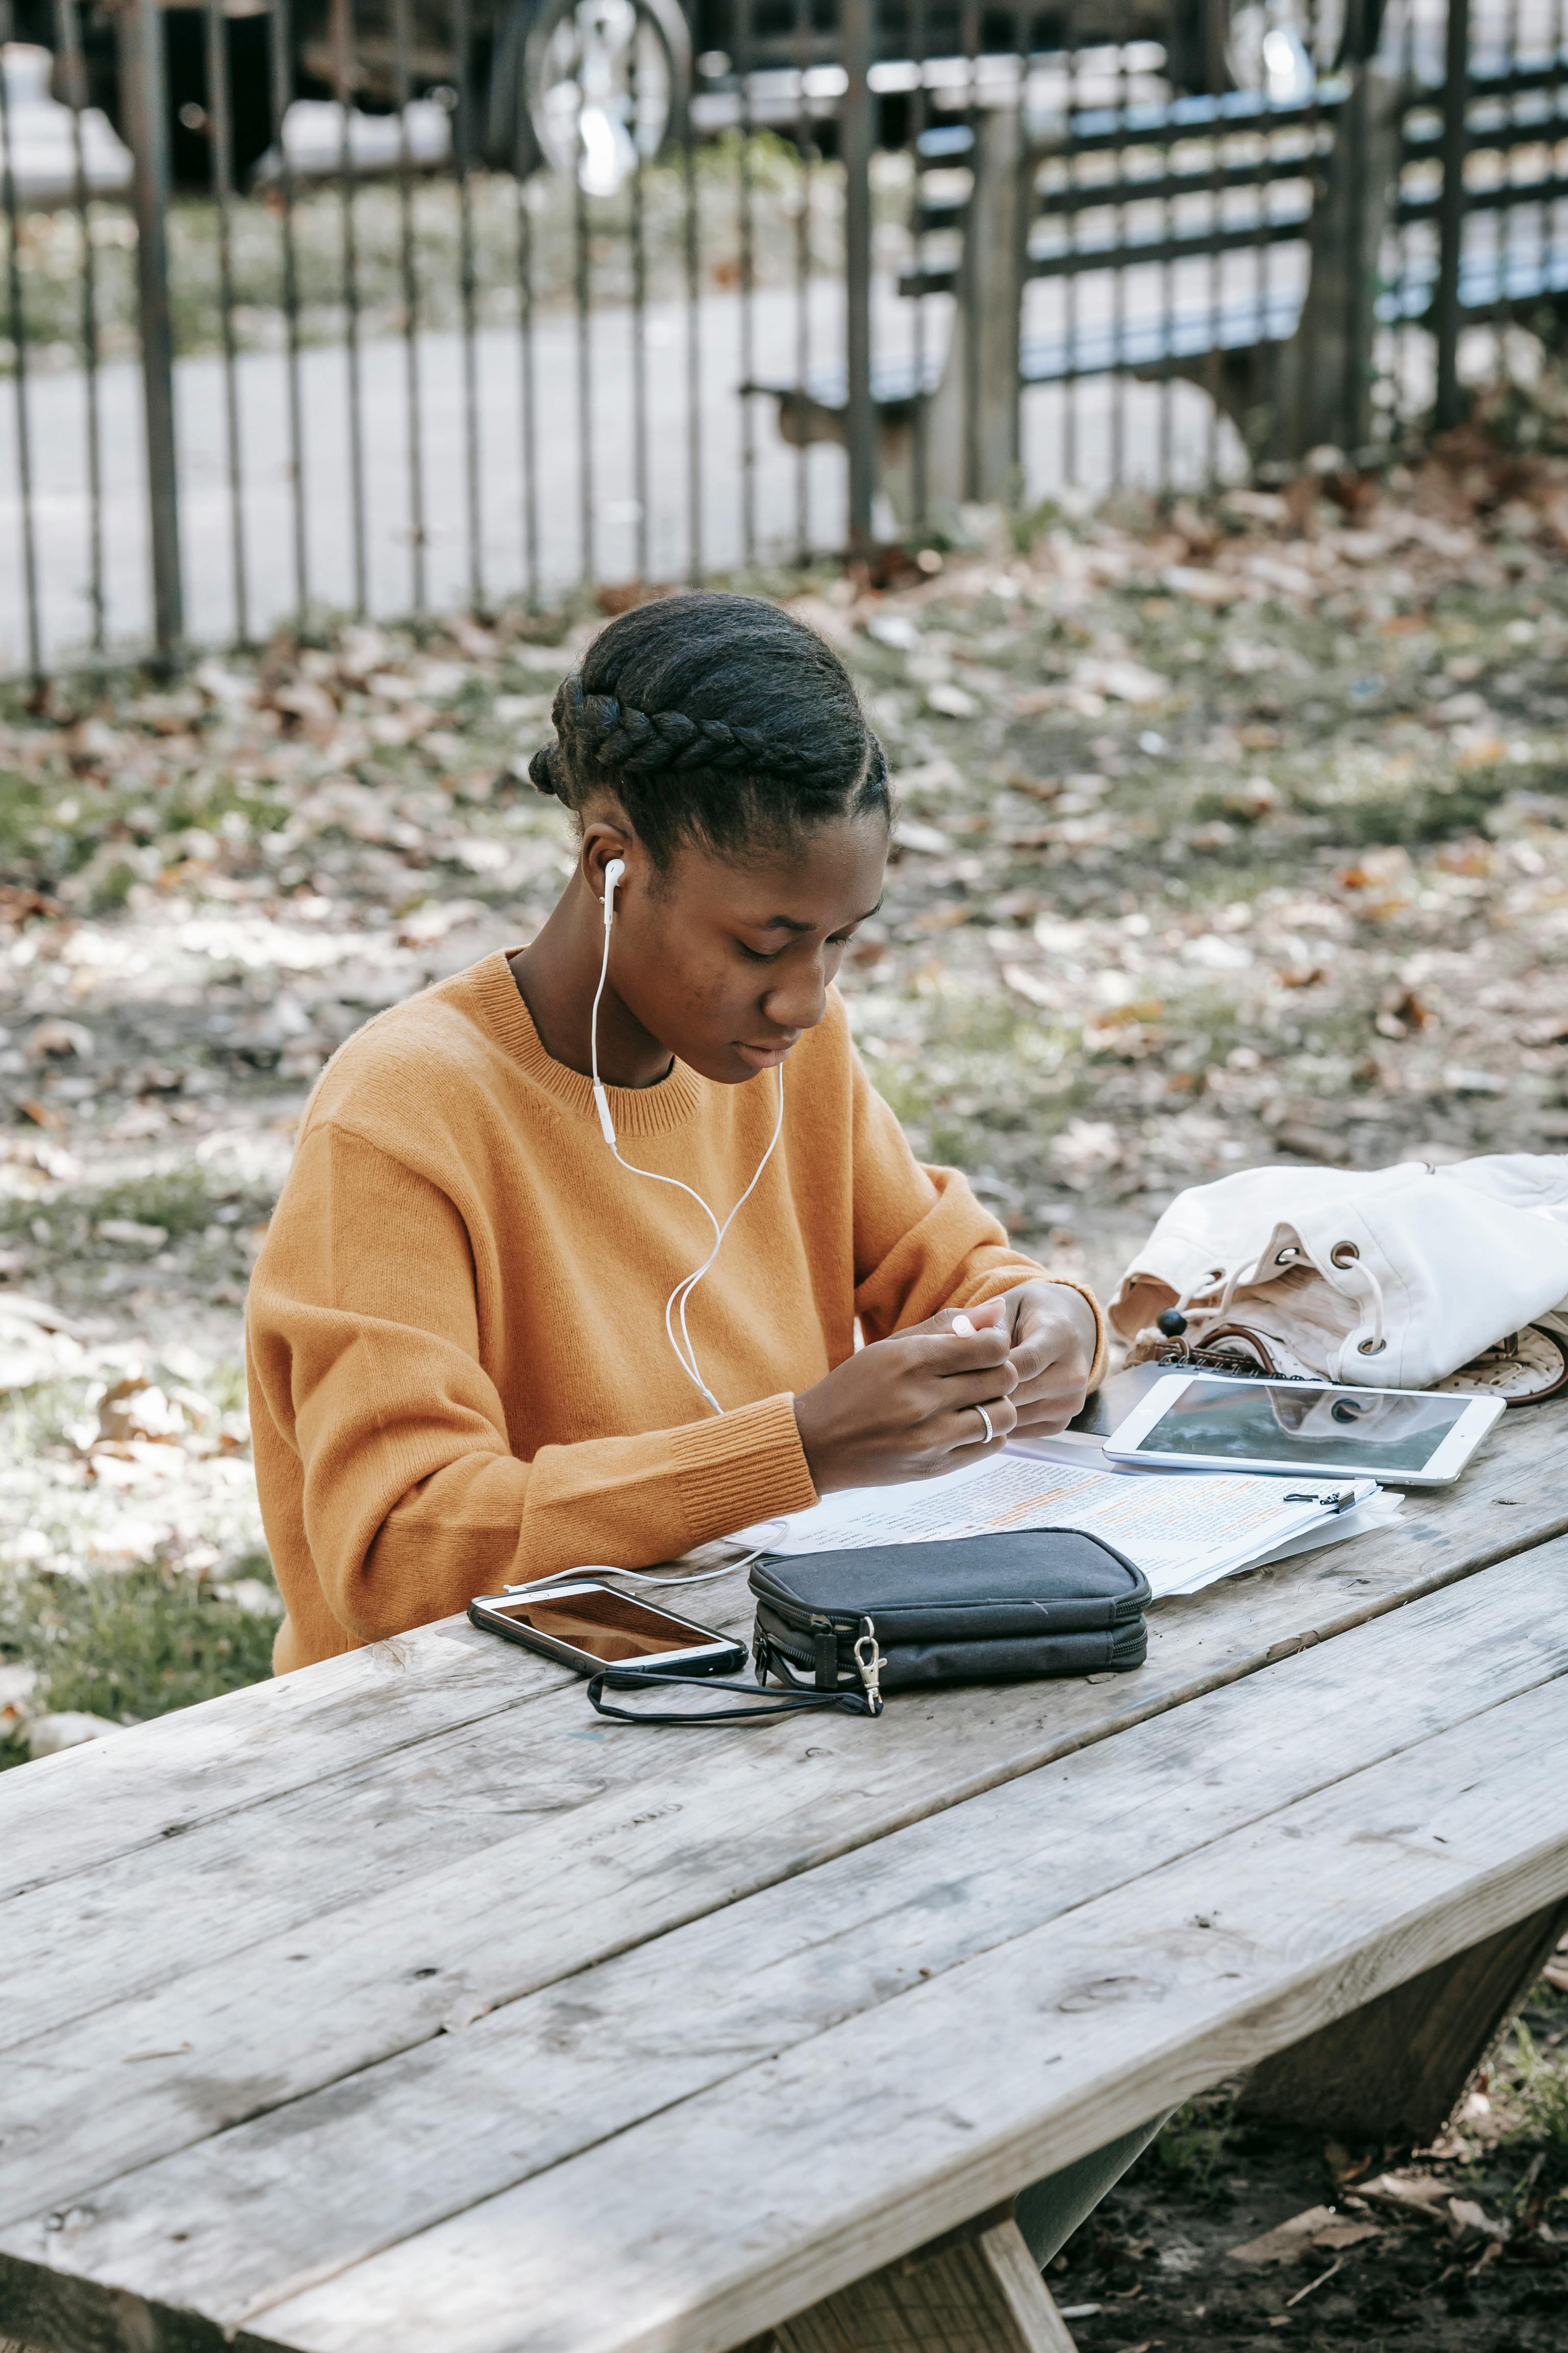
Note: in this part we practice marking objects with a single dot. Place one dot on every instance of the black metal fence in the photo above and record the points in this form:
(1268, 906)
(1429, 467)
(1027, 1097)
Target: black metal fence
(384, 306)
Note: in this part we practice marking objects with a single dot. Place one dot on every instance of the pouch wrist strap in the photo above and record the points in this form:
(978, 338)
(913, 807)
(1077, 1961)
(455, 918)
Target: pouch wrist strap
(639, 1679)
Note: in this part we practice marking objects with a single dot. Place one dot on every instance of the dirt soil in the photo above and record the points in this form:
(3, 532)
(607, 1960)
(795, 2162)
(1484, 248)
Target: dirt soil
(1232, 2235)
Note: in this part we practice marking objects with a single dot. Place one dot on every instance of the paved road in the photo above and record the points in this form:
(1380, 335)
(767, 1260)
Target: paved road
(61, 507)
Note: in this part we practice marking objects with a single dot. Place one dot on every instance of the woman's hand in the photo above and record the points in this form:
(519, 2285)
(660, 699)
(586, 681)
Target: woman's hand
(904, 1408)
(1053, 1337)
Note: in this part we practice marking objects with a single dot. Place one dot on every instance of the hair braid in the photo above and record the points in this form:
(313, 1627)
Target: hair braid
(651, 714)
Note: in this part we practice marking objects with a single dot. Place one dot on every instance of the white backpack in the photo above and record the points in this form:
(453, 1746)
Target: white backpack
(1391, 1278)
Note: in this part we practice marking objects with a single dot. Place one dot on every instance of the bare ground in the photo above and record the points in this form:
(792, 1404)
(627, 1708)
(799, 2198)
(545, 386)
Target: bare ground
(1227, 837)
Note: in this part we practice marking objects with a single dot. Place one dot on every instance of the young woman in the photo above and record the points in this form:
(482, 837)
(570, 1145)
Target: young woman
(473, 1356)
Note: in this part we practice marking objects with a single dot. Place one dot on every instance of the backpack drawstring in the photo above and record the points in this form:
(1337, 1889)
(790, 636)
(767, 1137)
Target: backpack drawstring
(1363, 1290)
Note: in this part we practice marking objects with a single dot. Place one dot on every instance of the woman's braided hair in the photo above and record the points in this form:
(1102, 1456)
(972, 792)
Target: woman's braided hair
(713, 717)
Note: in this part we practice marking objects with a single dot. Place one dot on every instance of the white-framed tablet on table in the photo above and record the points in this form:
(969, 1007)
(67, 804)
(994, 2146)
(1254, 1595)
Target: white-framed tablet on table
(1403, 1438)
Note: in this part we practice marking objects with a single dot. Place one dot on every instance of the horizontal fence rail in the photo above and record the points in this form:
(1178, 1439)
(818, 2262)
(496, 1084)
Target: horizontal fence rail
(374, 308)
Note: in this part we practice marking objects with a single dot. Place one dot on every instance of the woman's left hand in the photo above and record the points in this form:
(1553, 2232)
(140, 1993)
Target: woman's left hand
(1052, 1340)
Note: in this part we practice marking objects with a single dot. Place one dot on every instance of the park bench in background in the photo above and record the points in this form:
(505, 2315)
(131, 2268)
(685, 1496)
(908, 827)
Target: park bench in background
(1188, 181)
(401, 2004)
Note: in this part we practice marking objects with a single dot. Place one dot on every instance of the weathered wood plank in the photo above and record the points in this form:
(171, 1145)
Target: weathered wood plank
(1396, 2070)
(242, 1877)
(78, 1810)
(974, 2291)
(727, 2212)
(324, 2181)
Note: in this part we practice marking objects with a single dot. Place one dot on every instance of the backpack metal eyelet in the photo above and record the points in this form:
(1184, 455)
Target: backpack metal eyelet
(1344, 1253)
(1371, 1347)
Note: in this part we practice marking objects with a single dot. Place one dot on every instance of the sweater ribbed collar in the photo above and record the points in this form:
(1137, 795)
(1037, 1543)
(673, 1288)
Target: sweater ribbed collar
(637, 1111)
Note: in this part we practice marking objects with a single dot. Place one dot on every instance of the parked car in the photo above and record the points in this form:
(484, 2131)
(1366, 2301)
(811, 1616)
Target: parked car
(529, 60)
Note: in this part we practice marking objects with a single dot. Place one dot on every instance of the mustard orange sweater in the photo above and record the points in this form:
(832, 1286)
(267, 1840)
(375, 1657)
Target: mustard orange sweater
(459, 1377)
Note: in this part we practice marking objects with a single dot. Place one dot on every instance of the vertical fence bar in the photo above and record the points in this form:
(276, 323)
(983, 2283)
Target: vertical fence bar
(1507, 214)
(1262, 146)
(282, 74)
(1451, 211)
(969, 325)
(920, 455)
(1552, 212)
(691, 243)
(805, 148)
(527, 387)
(70, 30)
(641, 489)
(463, 144)
(1214, 81)
(403, 46)
(1018, 276)
(748, 257)
(144, 90)
(1119, 276)
(582, 285)
(221, 128)
(345, 80)
(1070, 238)
(19, 386)
(1405, 332)
(528, 401)
(855, 138)
(1167, 391)
(1353, 128)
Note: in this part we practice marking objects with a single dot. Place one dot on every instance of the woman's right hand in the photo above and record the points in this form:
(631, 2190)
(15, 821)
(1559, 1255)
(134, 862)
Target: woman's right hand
(904, 1408)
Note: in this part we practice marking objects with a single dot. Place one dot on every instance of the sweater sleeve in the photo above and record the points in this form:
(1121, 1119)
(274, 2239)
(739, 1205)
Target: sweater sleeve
(921, 1239)
(365, 1341)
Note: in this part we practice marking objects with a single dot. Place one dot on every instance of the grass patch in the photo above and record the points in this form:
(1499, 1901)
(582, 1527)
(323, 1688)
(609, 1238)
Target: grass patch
(21, 812)
(136, 1642)
(1542, 2078)
(183, 1200)
(1192, 2146)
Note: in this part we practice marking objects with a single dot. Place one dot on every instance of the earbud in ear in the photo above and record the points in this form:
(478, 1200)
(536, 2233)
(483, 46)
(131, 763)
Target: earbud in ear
(613, 873)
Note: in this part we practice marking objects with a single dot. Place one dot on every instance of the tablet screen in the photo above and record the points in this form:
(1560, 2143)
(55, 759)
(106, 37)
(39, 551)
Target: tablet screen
(1269, 1421)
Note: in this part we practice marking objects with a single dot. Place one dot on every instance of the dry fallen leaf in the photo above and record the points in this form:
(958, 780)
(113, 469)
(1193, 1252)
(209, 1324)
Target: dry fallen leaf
(1318, 2226)
(55, 1037)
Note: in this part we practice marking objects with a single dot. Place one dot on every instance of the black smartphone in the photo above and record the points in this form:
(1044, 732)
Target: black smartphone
(590, 1626)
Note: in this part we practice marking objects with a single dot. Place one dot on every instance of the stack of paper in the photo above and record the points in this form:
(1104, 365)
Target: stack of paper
(1182, 1528)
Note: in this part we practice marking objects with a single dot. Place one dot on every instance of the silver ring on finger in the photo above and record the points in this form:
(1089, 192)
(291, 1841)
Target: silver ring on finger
(985, 1419)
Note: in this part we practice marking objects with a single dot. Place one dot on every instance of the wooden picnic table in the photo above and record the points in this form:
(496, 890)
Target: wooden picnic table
(401, 2006)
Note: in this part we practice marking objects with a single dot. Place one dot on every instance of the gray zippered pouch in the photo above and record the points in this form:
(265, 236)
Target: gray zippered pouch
(988, 1608)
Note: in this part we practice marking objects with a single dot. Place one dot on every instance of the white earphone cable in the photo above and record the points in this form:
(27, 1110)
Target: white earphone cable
(646, 1577)
(686, 1355)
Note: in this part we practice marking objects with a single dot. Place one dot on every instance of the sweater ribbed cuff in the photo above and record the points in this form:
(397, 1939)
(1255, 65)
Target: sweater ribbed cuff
(1005, 1279)
(740, 1467)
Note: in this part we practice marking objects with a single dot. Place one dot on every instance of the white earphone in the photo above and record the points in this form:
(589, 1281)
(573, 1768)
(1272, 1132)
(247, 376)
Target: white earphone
(685, 1353)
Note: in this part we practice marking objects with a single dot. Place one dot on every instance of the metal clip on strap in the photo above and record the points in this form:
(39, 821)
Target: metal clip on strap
(869, 1665)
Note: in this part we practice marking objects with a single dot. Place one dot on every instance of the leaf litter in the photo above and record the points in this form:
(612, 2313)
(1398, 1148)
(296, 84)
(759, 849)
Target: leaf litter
(1226, 837)
(1209, 2242)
